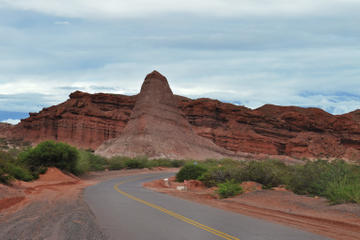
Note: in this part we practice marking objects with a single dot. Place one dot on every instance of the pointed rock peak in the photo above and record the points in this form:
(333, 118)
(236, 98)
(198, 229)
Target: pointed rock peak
(155, 85)
(155, 75)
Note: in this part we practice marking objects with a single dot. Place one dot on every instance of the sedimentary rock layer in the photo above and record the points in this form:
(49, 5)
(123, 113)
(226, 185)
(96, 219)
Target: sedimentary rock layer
(158, 128)
(87, 120)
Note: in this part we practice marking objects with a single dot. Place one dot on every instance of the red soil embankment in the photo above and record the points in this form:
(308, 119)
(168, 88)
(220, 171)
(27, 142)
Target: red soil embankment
(279, 205)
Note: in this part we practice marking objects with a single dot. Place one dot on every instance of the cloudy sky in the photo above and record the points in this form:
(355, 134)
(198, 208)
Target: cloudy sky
(248, 52)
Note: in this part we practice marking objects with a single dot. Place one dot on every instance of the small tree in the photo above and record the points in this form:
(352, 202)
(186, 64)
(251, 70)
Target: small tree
(50, 154)
(190, 171)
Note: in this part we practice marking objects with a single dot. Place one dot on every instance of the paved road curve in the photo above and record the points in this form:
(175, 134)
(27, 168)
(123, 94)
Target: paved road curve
(126, 210)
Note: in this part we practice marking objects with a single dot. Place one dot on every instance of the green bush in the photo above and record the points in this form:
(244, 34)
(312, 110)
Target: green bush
(164, 162)
(19, 172)
(4, 177)
(88, 161)
(270, 173)
(9, 170)
(50, 154)
(117, 163)
(216, 175)
(177, 163)
(190, 171)
(314, 177)
(83, 163)
(343, 191)
(338, 181)
(138, 162)
(229, 189)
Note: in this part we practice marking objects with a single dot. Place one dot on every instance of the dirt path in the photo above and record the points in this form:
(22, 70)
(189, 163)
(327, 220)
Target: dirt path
(311, 214)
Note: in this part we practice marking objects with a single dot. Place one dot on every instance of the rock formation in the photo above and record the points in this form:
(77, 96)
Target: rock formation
(157, 128)
(87, 120)
(276, 130)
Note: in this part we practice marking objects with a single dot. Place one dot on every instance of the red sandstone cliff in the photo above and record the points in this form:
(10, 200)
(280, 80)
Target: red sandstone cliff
(87, 120)
(276, 130)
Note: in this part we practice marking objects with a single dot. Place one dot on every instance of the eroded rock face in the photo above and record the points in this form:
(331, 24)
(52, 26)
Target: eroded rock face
(276, 130)
(5, 130)
(157, 128)
(87, 120)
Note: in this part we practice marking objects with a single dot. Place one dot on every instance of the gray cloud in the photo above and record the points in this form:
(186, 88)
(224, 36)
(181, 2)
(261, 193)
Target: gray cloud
(219, 8)
(260, 57)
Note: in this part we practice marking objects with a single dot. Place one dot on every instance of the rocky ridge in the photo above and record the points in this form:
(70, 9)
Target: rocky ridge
(88, 120)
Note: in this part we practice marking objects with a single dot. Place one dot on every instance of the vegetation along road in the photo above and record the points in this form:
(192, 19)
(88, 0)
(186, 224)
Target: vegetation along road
(126, 210)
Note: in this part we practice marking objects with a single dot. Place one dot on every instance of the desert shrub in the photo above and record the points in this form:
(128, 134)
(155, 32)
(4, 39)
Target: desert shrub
(88, 161)
(18, 172)
(229, 189)
(117, 163)
(138, 162)
(314, 177)
(270, 173)
(50, 154)
(190, 171)
(4, 177)
(97, 163)
(161, 162)
(338, 181)
(216, 175)
(343, 191)
(164, 162)
(83, 163)
(177, 163)
(9, 170)
(225, 162)
(7, 157)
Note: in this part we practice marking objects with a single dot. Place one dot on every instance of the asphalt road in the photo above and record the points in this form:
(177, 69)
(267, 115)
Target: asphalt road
(125, 210)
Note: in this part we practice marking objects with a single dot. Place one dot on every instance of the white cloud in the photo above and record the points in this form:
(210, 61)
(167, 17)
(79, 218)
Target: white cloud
(11, 121)
(141, 8)
(62, 23)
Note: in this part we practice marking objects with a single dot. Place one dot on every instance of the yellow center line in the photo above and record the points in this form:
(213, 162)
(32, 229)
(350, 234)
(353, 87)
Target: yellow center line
(173, 214)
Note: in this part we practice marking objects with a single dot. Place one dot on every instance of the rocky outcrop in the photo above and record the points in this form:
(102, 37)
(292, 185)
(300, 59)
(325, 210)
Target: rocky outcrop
(158, 128)
(88, 120)
(85, 120)
(276, 130)
(5, 130)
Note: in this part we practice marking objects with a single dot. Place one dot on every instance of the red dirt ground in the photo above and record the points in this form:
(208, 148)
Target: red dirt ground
(279, 205)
